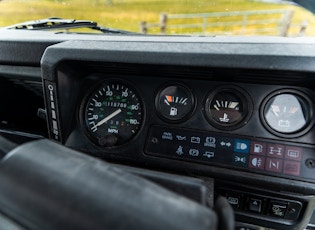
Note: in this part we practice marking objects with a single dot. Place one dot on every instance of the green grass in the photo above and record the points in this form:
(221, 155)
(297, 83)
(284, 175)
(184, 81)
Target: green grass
(127, 14)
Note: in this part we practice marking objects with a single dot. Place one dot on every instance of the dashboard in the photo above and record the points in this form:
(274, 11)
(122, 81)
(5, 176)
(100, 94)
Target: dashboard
(237, 110)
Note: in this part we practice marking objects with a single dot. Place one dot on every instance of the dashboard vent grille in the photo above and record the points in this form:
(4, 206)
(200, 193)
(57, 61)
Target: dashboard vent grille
(31, 85)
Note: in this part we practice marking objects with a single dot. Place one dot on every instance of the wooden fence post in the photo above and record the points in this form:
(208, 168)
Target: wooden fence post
(163, 22)
(303, 28)
(286, 22)
(143, 27)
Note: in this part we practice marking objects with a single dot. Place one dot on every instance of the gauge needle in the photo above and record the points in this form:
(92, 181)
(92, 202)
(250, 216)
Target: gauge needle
(216, 107)
(110, 116)
(275, 112)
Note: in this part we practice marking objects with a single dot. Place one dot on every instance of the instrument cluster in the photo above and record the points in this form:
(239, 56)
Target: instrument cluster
(249, 127)
(113, 111)
(135, 115)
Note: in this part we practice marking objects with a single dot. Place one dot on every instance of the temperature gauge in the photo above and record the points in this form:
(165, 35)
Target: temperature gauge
(174, 102)
(228, 108)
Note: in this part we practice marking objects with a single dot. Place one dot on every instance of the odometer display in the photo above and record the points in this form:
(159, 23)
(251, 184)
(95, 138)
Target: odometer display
(112, 114)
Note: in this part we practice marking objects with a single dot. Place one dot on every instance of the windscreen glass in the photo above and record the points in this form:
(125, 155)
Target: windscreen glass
(198, 18)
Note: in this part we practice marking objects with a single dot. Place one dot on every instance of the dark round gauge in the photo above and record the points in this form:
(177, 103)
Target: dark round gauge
(286, 112)
(227, 108)
(175, 102)
(112, 114)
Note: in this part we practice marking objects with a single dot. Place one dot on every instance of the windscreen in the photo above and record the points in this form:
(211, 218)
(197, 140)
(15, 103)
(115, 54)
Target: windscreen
(169, 17)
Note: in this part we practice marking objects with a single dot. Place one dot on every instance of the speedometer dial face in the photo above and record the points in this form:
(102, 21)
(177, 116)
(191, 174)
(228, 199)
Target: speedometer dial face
(113, 114)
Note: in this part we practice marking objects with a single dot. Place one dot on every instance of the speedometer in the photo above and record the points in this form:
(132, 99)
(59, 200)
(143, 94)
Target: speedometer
(112, 114)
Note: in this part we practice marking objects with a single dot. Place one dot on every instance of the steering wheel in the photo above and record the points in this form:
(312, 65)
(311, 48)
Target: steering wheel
(44, 185)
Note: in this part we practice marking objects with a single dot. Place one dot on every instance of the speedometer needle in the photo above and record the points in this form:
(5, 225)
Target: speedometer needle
(110, 116)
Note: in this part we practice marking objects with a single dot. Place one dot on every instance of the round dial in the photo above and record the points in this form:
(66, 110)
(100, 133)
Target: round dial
(286, 113)
(227, 108)
(113, 114)
(175, 102)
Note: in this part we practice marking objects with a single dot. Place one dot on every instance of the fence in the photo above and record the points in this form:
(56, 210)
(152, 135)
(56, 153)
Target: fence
(268, 22)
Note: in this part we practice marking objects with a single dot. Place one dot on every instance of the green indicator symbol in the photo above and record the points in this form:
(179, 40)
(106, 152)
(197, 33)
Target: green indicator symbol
(123, 100)
(118, 97)
(111, 98)
(129, 113)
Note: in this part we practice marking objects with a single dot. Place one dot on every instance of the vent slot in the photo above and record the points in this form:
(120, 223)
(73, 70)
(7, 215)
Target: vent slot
(31, 85)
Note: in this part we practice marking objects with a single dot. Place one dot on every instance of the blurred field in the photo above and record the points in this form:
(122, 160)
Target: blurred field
(127, 14)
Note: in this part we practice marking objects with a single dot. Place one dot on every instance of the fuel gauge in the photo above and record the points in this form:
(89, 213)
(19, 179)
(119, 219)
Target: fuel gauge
(228, 107)
(175, 102)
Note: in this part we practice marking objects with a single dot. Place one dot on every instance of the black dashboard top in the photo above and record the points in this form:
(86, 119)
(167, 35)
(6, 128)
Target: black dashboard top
(27, 47)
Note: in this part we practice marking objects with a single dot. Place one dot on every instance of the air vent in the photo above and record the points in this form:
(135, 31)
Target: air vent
(31, 85)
